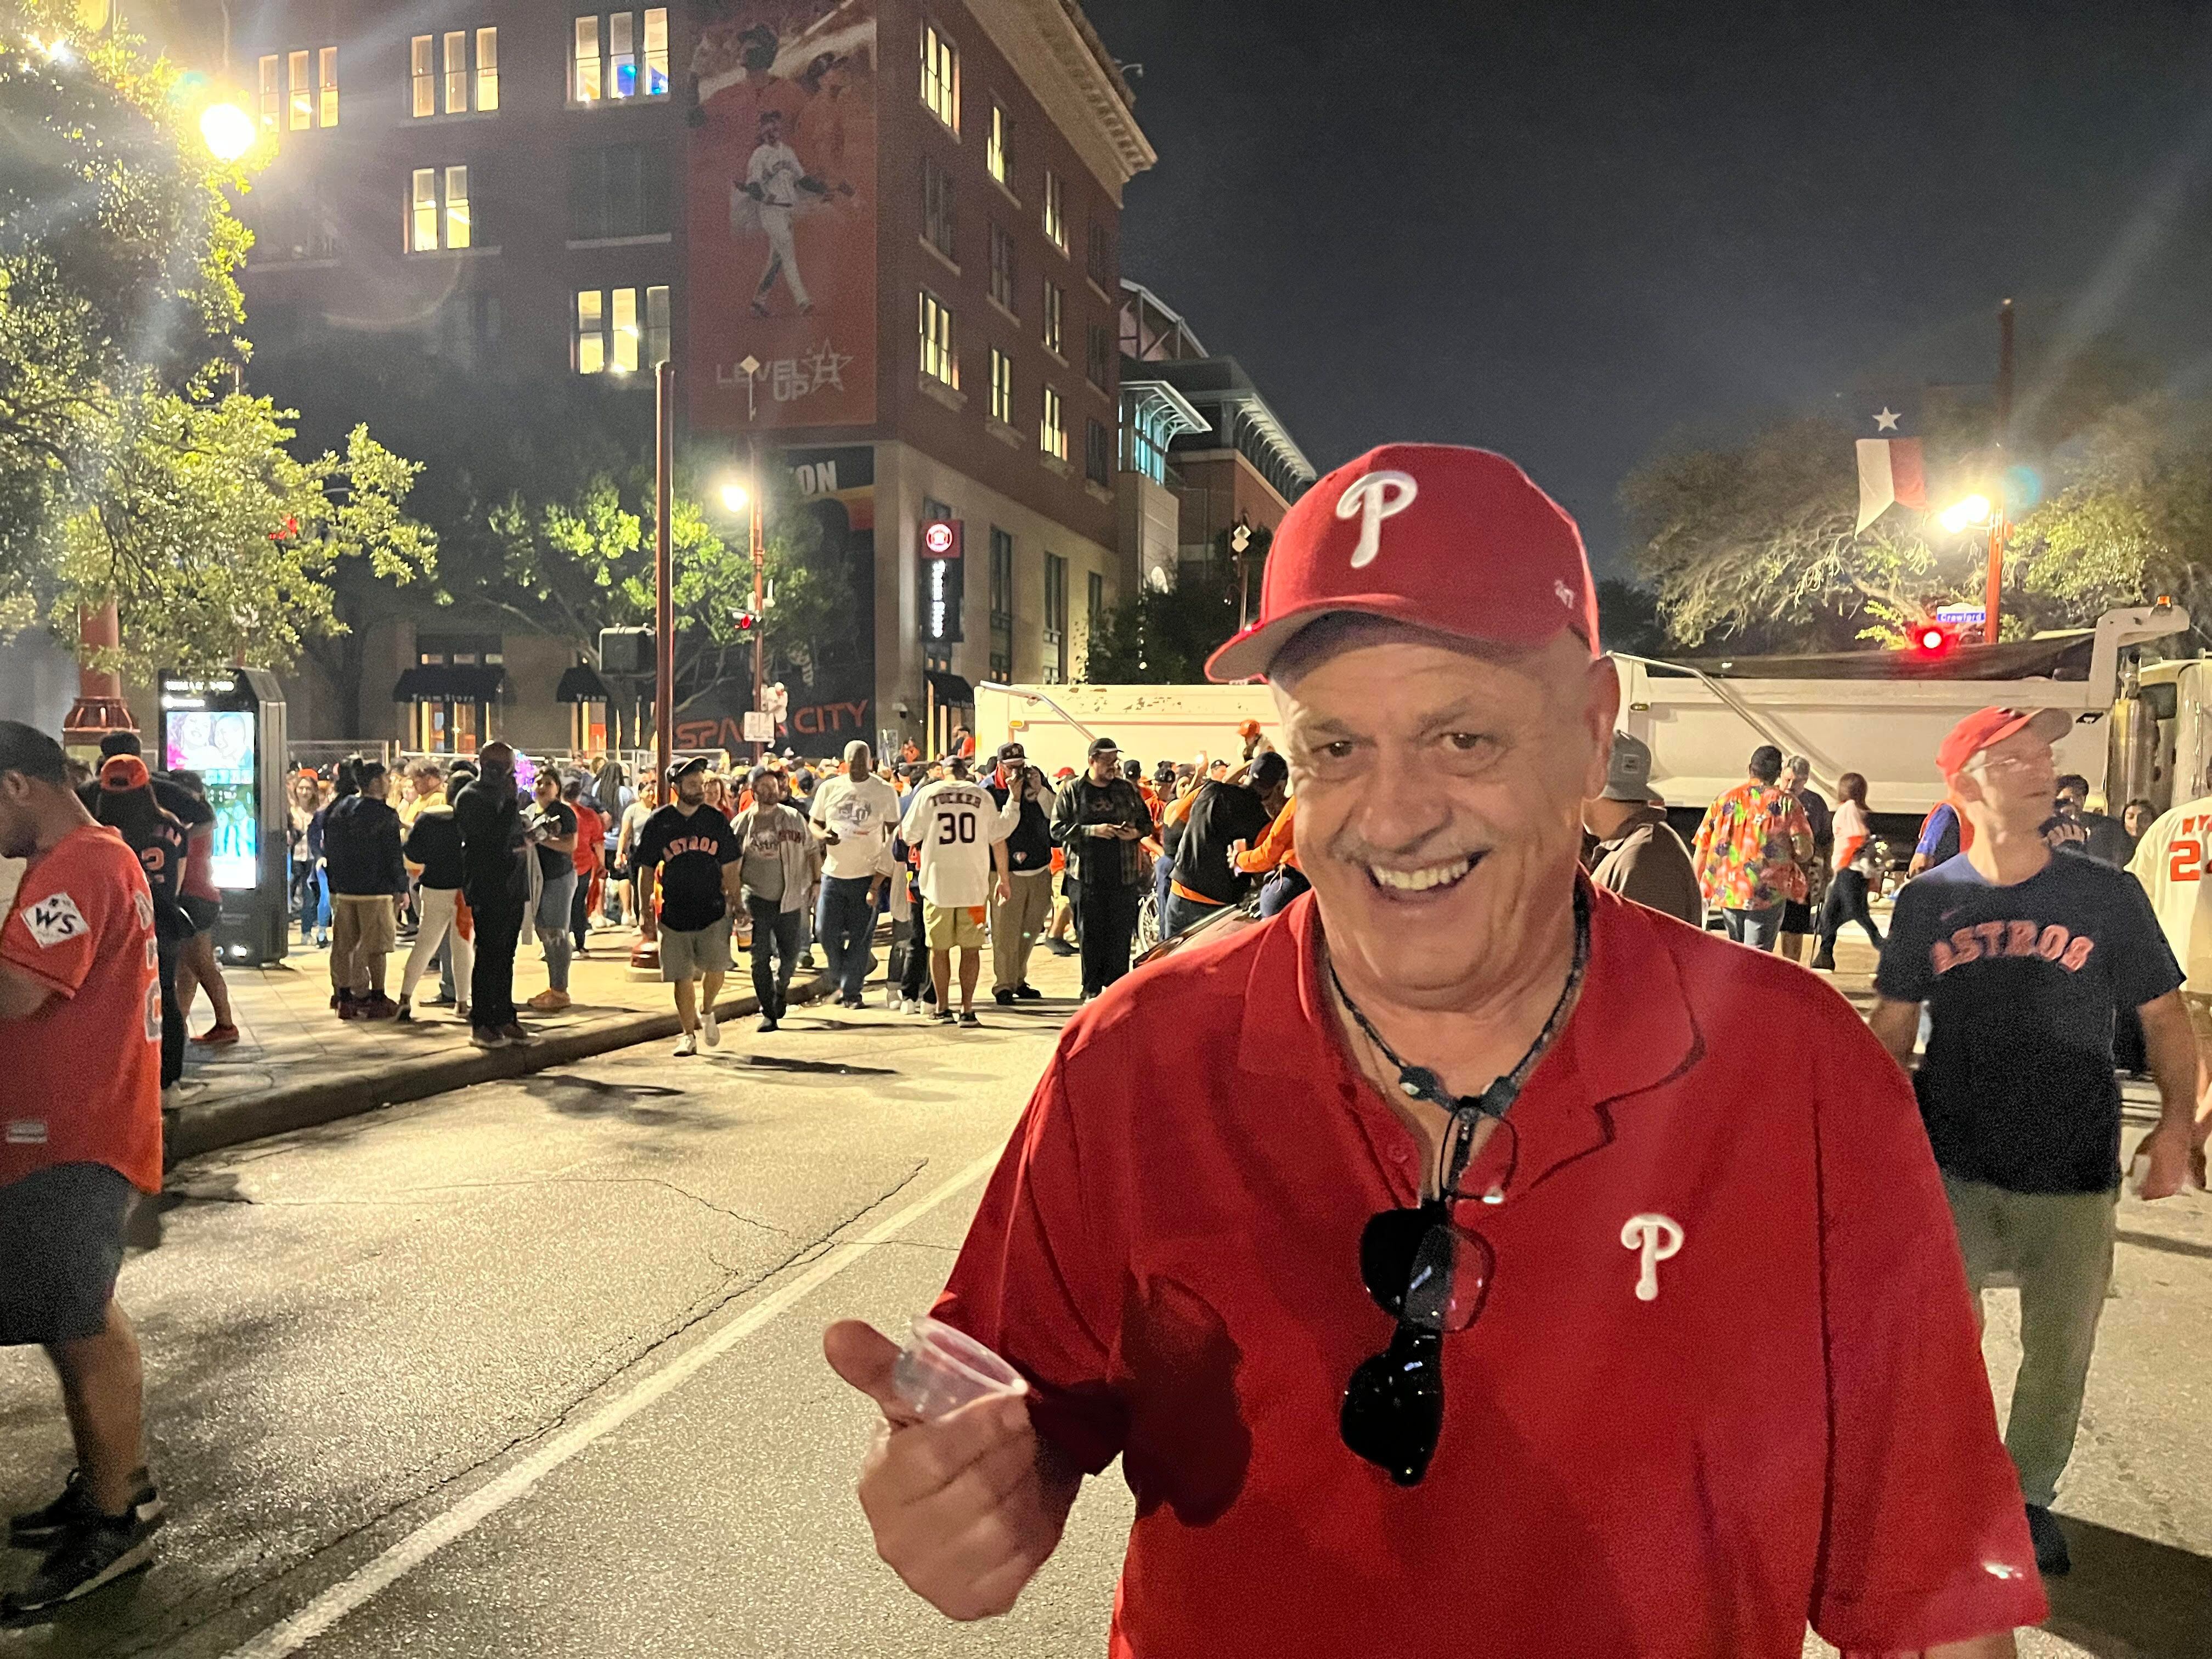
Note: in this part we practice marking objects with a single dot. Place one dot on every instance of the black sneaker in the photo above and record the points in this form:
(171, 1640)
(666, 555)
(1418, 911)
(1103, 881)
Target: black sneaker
(96, 1553)
(1004, 998)
(1060, 947)
(43, 1529)
(1825, 964)
(940, 1016)
(967, 1017)
(2051, 1555)
(768, 1024)
(1028, 993)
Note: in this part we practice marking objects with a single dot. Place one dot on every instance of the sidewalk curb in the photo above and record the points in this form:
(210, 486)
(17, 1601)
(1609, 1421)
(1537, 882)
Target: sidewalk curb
(350, 1093)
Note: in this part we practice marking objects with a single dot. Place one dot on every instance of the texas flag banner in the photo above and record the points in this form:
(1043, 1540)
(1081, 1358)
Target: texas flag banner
(1890, 470)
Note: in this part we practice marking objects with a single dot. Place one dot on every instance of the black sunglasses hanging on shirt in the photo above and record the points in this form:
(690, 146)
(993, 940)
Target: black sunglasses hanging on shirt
(1420, 1266)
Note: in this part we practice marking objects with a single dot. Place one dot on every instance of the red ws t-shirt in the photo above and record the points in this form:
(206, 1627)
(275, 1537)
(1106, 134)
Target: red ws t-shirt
(84, 1072)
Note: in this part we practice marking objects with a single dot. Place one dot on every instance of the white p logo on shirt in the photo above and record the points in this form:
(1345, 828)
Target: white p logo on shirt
(1371, 498)
(1658, 1237)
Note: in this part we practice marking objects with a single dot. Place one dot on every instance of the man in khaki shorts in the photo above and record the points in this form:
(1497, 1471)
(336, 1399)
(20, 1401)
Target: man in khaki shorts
(2170, 862)
(961, 833)
(700, 860)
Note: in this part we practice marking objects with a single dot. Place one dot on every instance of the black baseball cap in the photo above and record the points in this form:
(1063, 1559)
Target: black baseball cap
(1104, 746)
(680, 769)
(1012, 752)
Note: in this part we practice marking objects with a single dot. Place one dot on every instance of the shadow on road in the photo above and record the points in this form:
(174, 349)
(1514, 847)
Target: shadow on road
(2132, 1598)
(2171, 1246)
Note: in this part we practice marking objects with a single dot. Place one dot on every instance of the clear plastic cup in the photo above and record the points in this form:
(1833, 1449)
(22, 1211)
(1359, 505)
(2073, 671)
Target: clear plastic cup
(941, 1369)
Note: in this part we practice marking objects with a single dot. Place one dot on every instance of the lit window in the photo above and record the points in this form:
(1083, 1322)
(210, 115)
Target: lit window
(998, 147)
(269, 93)
(488, 68)
(656, 52)
(1002, 387)
(457, 206)
(424, 217)
(1052, 432)
(303, 95)
(456, 71)
(620, 69)
(621, 331)
(424, 79)
(587, 59)
(591, 332)
(622, 56)
(1055, 215)
(326, 79)
(1054, 302)
(939, 360)
(940, 76)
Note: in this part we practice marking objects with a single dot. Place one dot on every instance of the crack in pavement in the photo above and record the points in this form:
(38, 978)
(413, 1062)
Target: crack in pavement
(186, 1622)
(186, 1194)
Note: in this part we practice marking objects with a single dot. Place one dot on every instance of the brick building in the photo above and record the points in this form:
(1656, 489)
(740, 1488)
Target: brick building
(878, 238)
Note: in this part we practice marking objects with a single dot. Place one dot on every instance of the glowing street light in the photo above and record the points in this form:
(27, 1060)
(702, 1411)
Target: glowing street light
(1965, 515)
(228, 130)
(734, 497)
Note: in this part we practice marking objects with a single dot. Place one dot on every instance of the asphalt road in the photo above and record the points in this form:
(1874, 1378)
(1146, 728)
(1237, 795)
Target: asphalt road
(534, 1368)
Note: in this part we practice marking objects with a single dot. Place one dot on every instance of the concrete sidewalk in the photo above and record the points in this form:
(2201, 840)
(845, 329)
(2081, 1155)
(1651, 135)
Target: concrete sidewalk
(296, 1064)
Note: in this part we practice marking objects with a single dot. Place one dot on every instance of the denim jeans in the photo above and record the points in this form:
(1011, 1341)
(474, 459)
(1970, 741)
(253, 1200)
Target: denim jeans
(846, 924)
(1757, 928)
(553, 927)
(777, 928)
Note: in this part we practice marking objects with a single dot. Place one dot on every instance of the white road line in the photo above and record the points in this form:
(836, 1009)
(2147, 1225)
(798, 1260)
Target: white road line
(350, 1593)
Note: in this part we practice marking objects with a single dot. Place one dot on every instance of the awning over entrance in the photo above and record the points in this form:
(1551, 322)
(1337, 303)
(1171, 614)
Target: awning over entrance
(432, 681)
(951, 690)
(582, 684)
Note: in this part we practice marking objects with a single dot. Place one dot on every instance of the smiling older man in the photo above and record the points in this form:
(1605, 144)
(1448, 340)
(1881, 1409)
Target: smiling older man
(1438, 1256)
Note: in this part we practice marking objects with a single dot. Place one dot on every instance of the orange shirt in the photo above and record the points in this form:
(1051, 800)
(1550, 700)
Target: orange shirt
(84, 1070)
(1275, 848)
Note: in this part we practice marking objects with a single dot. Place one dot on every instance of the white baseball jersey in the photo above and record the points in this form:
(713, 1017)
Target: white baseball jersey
(956, 825)
(775, 169)
(2170, 862)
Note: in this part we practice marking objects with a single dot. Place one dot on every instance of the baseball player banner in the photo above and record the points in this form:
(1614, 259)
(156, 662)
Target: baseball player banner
(783, 212)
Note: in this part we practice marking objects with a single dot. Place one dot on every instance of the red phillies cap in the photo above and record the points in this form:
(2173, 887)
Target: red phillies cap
(1457, 540)
(1987, 725)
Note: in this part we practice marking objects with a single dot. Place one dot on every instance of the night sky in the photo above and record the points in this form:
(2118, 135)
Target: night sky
(1573, 231)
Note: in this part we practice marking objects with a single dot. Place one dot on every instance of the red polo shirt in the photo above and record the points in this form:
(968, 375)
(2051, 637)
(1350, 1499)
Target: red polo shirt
(1797, 1426)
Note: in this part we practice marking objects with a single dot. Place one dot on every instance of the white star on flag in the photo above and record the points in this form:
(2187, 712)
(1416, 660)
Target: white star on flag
(1887, 420)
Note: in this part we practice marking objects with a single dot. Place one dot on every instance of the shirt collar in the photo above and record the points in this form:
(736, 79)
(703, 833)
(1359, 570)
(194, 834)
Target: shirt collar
(1632, 1029)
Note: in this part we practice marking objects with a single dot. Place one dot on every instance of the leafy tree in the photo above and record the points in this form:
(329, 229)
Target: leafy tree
(217, 545)
(126, 471)
(577, 563)
(1156, 637)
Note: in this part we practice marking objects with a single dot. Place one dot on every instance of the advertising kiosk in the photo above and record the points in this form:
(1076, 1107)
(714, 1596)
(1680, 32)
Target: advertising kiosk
(231, 730)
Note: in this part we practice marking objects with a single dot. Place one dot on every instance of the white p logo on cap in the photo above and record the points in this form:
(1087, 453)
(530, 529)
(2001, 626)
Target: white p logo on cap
(1372, 498)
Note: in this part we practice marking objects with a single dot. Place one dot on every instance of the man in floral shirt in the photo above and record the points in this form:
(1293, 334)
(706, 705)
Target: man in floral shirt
(1751, 850)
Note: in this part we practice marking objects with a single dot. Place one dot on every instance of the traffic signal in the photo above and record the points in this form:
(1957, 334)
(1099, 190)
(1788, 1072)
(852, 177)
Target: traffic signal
(746, 624)
(1932, 639)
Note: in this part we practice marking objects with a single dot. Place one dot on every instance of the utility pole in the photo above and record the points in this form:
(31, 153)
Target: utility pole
(664, 602)
(2000, 530)
(760, 611)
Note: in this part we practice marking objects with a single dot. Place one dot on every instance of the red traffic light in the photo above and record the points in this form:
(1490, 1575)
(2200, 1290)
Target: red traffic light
(1933, 639)
(746, 621)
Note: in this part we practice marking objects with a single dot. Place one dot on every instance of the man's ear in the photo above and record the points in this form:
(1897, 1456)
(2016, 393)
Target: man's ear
(1600, 713)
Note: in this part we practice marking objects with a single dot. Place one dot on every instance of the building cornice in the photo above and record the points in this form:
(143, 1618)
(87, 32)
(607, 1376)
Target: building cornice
(1065, 68)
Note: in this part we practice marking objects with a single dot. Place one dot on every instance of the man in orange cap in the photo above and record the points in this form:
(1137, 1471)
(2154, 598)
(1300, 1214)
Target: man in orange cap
(1447, 1229)
(2024, 954)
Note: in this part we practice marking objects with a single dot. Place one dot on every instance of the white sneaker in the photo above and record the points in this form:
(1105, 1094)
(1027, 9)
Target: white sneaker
(909, 1006)
(686, 1046)
(710, 1028)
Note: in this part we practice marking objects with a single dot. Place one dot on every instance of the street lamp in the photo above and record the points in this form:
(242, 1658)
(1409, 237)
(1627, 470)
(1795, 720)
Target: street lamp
(228, 130)
(1973, 510)
(734, 497)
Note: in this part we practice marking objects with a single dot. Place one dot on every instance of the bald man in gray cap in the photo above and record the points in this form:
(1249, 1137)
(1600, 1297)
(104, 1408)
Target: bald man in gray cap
(1639, 855)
